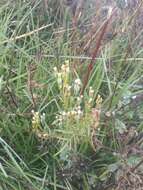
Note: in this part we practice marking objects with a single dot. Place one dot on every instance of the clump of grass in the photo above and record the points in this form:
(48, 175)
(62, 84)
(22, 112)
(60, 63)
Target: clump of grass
(76, 117)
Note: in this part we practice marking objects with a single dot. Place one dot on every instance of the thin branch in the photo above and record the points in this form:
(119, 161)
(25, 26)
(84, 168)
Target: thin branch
(138, 165)
(12, 97)
(30, 87)
(26, 34)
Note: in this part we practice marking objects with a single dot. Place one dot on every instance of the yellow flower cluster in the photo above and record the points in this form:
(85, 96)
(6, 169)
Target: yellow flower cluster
(62, 75)
(73, 115)
(79, 109)
(35, 120)
(99, 101)
(90, 94)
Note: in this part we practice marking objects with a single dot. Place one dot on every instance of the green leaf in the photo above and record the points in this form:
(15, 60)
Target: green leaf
(120, 126)
(113, 167)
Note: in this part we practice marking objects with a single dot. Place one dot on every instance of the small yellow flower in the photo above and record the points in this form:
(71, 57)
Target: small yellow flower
(99, 101)
(36, 121)
(91, 92)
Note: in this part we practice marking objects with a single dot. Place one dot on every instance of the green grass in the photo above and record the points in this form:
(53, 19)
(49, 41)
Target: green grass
(86, 153)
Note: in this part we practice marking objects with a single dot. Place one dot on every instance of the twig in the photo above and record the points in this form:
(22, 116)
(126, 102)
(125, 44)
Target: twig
(82, 57)
(30, 87)
(11, 96)
(26, 34)
(138, 165)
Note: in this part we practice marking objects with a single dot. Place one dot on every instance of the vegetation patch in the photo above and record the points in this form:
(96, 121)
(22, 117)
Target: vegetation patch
(71, 93)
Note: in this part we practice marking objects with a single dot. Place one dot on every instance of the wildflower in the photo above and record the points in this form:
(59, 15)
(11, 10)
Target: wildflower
(134, 97)
(73, 113)
(68, 114)
(36, 120)
(67, 90)
(42, 118)
(65, 68)
(77, 85)
(77, 81)
(79, 100)
(57, 117)
(67, 62)
(62, 75)
(79, 114)
(99, 101)
(64, 114)
(59, 80)
(42, 136)
(79, 107)
(108, 114)
(90, 100)
(55, 70)
(110, 9)
(91, 92)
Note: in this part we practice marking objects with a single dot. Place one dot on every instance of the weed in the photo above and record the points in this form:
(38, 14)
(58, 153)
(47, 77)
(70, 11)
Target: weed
(78, 65)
